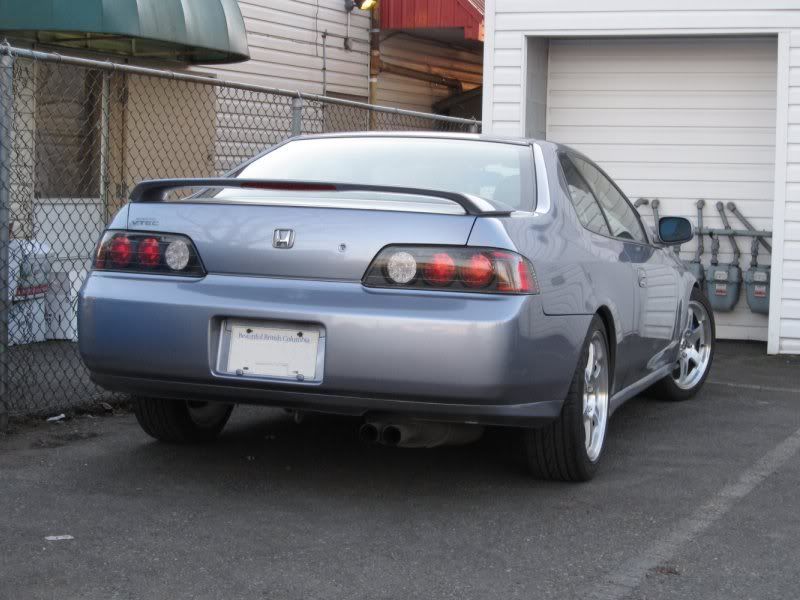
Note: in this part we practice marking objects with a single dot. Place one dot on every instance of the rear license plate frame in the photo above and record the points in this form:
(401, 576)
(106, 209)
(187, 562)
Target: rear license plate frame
(227, 354)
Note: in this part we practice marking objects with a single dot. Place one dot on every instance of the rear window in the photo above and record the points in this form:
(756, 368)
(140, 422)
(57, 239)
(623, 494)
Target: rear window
(500, 173)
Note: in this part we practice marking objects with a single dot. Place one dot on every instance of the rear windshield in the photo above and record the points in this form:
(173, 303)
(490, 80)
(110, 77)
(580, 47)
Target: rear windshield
(495, 171)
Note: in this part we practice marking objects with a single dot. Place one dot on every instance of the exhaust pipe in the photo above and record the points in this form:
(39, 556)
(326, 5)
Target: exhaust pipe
(370, 433)
(429, 435)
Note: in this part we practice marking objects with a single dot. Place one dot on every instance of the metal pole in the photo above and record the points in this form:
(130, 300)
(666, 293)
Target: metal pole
(699, 253)
(6, 125)
(746, 223)
(325, 61)
(105, 107)
(374, 62)
(173, 75)
(297, 116)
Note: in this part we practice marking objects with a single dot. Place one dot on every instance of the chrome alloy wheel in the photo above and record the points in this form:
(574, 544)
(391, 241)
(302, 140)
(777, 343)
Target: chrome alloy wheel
(695, 348)
(595, 397)
(206, 414)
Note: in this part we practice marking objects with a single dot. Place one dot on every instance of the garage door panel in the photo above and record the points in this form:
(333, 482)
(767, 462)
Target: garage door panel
(649, 81)
(666, 100)
(697, 189)
(666, 55)
(692, 172)
(662, 117)
(677, 119)
(679, 153)
(691, 136)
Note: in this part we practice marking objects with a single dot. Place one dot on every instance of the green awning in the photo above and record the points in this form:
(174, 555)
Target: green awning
(189, 31)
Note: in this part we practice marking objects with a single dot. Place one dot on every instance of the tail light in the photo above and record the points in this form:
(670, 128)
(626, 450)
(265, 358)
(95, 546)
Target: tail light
(454, 269)
(138, 252)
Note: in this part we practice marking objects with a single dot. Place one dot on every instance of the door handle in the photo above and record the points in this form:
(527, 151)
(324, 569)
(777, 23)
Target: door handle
(642, 278)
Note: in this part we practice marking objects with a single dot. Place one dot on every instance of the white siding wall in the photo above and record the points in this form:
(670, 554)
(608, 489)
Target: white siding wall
(508, 22)
(790, 313)
(285, 39)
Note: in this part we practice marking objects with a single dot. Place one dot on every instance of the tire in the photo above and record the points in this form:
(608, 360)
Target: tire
(560, 450)
(698, 354)
(181, 421)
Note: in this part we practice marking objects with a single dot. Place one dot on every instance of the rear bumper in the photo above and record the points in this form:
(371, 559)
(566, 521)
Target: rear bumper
(491, 359)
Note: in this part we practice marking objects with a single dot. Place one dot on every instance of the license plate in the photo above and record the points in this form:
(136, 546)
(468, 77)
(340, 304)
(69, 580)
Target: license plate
(285, 352)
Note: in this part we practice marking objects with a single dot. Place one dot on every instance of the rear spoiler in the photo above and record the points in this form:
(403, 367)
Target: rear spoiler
(155, 190)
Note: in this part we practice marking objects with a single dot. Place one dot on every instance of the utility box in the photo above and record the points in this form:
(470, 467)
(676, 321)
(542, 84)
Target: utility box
(756, 280)
(29, 280)
(722, 286)
(62, 304)
(26, 323)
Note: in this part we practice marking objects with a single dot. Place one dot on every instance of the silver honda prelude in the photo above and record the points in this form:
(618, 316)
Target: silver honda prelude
(431, 283)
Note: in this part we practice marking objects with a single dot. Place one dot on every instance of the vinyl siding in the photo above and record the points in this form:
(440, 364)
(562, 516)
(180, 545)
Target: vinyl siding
(750, 160)
(790, 313)
(285, 40)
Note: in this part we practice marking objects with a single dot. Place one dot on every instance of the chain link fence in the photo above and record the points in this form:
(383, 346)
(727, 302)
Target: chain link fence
(75, 136)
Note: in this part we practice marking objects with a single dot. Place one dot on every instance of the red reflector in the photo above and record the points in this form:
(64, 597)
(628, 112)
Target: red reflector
(525, 283)
(149, 252)
(119, 251)
(478, 271)
(289, 186)
(441, 270)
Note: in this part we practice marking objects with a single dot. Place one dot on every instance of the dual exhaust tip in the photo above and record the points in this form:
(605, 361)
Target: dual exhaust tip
(419, 435)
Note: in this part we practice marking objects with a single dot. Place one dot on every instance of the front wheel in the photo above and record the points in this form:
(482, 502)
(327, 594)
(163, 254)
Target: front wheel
(696, 352)
(181, 421)
(569, 449)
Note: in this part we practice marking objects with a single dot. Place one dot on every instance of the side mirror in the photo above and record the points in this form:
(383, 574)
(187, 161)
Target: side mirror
(673, 231)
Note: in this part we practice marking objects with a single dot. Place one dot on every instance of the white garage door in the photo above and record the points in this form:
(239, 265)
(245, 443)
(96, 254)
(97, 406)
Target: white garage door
(676, 119)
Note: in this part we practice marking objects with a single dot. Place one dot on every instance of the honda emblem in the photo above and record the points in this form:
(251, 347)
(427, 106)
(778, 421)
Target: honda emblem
(283, 238)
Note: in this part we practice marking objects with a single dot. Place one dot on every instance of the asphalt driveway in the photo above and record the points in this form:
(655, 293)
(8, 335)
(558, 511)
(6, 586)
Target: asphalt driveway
(696, 500)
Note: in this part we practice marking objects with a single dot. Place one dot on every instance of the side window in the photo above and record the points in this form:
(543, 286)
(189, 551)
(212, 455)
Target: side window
(622, 217)
(589, 213)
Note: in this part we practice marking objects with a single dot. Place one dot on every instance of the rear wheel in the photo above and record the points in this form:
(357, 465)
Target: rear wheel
(696, 352)
(570, 448)
(181, 421)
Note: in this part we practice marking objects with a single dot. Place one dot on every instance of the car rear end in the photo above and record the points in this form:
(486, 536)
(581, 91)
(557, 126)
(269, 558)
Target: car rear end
(309, 297)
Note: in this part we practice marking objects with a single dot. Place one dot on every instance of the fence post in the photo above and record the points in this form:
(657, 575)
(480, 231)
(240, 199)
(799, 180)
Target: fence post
(297, 116)
(105, 108)
(6, 125)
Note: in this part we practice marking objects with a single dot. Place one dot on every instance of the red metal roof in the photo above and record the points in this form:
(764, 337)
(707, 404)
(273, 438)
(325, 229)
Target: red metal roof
(434, 14)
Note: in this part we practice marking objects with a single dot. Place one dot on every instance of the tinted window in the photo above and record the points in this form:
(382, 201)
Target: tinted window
(494, 171)
(583, 200)
(622, 218)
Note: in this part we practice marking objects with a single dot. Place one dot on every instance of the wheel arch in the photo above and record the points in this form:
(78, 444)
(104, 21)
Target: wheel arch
(611, 335)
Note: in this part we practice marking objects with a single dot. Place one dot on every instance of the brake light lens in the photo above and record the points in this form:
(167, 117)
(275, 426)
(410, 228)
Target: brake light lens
(441, 271)
(162, 253)
(149, 252)
(478, 272)
(452, 268)
(119, 252)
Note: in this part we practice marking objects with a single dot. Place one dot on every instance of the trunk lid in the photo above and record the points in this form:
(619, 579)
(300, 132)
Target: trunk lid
(328, 243)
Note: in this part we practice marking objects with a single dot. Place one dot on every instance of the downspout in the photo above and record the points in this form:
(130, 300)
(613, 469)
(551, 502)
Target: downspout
(374, 60)
(325, 61)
